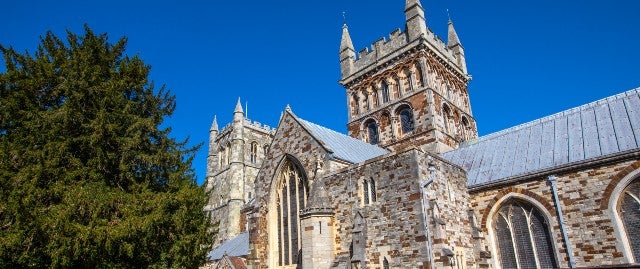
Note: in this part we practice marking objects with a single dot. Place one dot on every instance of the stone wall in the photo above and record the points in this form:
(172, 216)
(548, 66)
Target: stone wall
(394, 222)
(585, 196)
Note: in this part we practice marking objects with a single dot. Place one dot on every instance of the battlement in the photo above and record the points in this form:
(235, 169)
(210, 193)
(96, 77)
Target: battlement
(251, 124)
(396, 42)
(257, 125)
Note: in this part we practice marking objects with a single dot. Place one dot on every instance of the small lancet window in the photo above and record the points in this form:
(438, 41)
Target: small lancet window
(406, 120)
(369, 191)
(385, 91)
(419, 79)
(254, 153)
(372, 132)
(445, 118)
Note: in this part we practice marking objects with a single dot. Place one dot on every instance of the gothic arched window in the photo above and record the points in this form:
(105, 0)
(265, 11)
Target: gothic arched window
(629, 211)
(372, 132)
(292, 197)
(419, 79)
(446, 112)
(465, 128)
(385, 263)
(522, 237)
(369, 191)
(356, 105)
(254, 152)
(385, 91)
(406, 120)
(407, 74)
(365, 100)
(227, 154)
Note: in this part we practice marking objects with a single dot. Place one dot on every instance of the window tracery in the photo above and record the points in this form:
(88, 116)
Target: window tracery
(522, 236)
(629, 211)
(291, 198)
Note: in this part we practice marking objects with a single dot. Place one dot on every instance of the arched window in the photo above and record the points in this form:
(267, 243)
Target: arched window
(629, 211)
(365, 100)
(227, 153)
(356, 105)
(446, 112)
(465, 128)
(419, 79)
(398, 90)
(385, 263)
(254, 152)
(407, 74)
(220, 158)
(385, 91)
(372, 132)
(369, 191)
(406, 120)
(522, 237)
(292, 196)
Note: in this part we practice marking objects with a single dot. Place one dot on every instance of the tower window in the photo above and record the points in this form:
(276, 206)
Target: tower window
(385, 263)
(523, 237)
(409, 80)
(372, 132)
(356, 105)
(419, 79)
(445, 118)
(385, 92)
(254, 152)
(465, 128)
(406, 120)
(365, 100)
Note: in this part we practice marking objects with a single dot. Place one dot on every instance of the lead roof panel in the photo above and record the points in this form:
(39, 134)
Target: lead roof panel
(603, 128)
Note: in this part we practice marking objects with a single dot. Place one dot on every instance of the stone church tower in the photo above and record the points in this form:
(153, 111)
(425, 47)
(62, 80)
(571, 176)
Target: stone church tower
(409, 90)
(235, 155)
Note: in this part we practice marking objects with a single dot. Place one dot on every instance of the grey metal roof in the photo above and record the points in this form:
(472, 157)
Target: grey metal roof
(236, 246)
(344, 147)
(599, 129)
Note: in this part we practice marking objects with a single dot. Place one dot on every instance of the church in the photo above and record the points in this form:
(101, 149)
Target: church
(413, 186)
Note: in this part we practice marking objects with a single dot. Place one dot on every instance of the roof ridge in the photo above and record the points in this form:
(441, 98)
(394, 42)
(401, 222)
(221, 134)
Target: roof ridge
(554, 116)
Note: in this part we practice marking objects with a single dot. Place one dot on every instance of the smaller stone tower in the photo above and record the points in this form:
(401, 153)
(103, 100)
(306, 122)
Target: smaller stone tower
(316, 222)
(235, 156)
(410, 90)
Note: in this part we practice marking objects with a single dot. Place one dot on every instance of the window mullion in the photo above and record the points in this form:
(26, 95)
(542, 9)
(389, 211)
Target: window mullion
(513, 241)
(533, 243)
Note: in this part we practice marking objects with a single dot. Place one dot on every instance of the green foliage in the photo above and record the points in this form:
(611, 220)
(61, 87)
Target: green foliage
(88, 177)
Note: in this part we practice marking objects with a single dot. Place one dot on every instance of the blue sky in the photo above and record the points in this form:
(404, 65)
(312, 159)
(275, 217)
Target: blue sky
(528, 59)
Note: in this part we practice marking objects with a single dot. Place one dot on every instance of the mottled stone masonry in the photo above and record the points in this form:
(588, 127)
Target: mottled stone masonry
(394, 223)
(584, 197)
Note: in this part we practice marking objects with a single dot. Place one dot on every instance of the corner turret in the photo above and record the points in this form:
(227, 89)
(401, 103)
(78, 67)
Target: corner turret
(347, 53)
(416, 23)
(453, 42)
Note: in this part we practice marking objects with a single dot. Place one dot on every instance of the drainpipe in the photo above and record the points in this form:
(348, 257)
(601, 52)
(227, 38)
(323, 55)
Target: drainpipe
(552, 180)
(426, 184)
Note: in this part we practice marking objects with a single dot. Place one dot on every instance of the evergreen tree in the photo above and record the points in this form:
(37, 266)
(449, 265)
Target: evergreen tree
(89, 178)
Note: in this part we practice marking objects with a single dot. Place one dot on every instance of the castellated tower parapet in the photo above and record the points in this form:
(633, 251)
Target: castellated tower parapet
(235, 156)
(398, 44)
